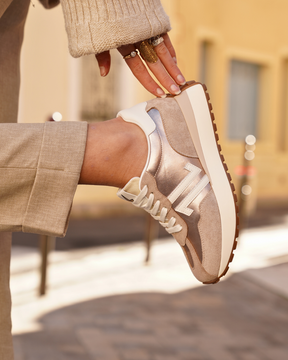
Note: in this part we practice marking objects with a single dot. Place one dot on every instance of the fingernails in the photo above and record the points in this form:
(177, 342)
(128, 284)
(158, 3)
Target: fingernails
(161, 93)
(102, 70)
(175, 60)
(181, 79)
(175, 89)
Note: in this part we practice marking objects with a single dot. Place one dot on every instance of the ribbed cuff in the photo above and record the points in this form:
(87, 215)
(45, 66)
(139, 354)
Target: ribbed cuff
(96, 26)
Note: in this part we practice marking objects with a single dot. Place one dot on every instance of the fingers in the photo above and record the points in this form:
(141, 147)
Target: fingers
(165, 69)
(170, 47)
(162, 75)
(139, 70)
(104, 62)
(167, 56)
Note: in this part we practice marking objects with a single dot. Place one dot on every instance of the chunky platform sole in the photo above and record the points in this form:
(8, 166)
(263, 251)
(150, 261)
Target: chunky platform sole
(197, 110)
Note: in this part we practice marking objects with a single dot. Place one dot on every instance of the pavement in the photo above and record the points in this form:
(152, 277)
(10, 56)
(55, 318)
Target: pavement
(105, 303)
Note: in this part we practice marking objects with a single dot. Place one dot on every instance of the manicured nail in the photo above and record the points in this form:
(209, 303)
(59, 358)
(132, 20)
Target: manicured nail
(174, 58)
(161, 93)
(181, 79)
(102, 70)
(175, 89)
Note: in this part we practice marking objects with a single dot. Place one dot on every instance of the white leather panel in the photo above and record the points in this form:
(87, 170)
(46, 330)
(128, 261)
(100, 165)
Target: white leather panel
(138, 115)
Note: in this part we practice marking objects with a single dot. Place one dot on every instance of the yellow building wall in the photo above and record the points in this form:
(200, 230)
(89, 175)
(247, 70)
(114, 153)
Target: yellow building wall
(248, 30)
(44, 66)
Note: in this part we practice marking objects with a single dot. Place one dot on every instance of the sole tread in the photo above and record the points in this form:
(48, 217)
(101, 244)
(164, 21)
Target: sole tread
(187, 85)
(232, 189)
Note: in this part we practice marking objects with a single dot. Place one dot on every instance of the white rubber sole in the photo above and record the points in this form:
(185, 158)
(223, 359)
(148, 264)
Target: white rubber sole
(195, 109)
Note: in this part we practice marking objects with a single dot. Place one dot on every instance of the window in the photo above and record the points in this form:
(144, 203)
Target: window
(205, 66)
(243, 99)
(283, 134)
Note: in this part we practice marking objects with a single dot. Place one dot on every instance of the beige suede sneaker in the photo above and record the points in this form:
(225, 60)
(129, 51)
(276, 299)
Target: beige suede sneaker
(185, 184)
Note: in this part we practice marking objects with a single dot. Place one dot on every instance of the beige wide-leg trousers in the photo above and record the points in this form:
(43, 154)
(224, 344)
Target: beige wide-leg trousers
(40, 164)
(6, 347)
(11, 35)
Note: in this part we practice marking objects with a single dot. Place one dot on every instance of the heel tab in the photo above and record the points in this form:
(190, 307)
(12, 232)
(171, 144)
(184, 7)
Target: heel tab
(138, 115)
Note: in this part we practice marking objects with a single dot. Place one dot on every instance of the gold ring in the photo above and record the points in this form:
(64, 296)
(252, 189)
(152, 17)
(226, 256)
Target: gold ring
(156, 40)
(147, 52)
(131, 55)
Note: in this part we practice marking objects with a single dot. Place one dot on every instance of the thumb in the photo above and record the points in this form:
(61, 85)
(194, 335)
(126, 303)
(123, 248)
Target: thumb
(104, 62)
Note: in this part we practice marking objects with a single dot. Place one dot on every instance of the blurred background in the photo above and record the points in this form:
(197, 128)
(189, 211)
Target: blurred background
(239, 49)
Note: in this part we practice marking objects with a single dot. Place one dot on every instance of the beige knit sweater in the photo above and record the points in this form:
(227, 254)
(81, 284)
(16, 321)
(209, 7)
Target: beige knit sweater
(94, 26)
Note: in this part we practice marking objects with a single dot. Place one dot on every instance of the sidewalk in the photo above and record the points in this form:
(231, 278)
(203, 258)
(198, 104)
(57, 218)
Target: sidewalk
(103, 303)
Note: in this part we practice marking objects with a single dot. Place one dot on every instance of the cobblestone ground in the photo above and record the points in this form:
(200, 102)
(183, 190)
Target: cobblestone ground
(235, 319)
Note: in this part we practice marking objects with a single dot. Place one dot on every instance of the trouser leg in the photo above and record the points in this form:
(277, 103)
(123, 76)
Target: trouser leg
(6, 346)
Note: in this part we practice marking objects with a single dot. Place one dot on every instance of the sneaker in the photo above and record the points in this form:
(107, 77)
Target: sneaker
(185, 184)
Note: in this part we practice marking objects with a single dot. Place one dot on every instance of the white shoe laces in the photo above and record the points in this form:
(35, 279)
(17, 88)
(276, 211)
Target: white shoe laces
(145, 203)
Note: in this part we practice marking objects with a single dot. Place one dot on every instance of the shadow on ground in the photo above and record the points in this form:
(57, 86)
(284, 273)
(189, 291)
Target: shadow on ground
(124, 229)
(235, 319)
(86, 233)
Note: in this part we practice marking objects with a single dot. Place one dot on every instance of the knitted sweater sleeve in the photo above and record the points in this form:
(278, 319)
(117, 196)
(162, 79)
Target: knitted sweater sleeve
(94, 26)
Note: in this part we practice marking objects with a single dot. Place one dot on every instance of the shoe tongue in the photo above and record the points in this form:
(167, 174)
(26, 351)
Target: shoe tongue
(130, 190)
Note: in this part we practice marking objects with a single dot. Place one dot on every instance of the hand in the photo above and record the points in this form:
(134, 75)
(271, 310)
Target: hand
(165, 69)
